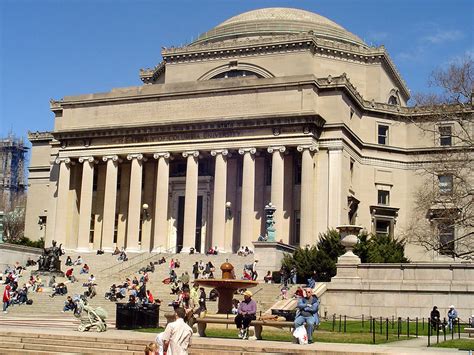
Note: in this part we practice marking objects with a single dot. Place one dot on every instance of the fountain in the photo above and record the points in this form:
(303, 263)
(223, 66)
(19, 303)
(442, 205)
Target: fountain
(226, 286)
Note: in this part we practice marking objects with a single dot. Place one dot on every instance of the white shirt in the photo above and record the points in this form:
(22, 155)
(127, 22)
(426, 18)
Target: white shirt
(179, 334)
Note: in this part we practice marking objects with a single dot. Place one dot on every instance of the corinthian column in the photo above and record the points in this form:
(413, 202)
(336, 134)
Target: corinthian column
(85, 209)
(62, 201)
(160, 235)
(110, 198)
(277, 190)
(307, 186)
(190, 201)
(248, 195)
(219, 208)
(134, 202)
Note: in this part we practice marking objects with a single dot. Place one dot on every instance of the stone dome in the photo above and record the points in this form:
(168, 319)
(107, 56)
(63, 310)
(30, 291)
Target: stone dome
(276, 21)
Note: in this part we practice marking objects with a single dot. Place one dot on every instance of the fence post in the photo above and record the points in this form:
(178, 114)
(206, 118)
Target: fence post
(373, 330)
(423, 323)
(417, 327)
(437, 333)
(429, 333)
(386, 329)
(340, 322)
(459, 328)
(333, 321)
(398, 327)
(345, 323)
(444, 329)
(393, 321)
(370, 324)
(408, 327)
(362, 322)
(452, 330)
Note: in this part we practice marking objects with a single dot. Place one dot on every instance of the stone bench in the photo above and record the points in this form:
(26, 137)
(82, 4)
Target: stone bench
(257, 324)
(469, 331)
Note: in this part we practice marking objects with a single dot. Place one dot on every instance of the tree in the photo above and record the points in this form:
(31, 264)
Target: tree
(443, 218)
(322, 257)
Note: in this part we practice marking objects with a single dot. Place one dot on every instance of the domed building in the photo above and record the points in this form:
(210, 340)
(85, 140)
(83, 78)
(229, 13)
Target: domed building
(273, 105)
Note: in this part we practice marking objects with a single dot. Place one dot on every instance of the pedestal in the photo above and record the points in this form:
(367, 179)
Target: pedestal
(270, 255)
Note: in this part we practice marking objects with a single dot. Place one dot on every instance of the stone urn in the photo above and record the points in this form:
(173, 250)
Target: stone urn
(349, 240)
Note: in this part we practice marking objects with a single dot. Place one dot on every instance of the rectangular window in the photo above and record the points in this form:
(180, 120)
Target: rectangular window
(351, 168)
(296, 228)
(92, 228)
(297, 169)
(446, 238)
(268, 171)
(383, 197)
(383, 134)
(382, 227)
(116, 227)
(445, 135)
(445, 184)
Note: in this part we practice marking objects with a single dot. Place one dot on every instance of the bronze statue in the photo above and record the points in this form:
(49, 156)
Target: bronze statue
(49, 261)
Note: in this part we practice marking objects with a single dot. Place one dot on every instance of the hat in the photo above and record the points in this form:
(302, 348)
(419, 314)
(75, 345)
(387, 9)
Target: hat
(451, 306)
(248, 293)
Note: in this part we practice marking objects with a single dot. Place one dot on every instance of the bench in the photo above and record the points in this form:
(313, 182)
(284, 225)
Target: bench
(469, 331)
(257, 324)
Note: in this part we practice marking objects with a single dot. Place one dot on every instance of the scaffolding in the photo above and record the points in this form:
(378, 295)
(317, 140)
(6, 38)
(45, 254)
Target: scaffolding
(13, 155)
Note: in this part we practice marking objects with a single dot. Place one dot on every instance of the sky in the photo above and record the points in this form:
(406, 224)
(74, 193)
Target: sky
(56, 48)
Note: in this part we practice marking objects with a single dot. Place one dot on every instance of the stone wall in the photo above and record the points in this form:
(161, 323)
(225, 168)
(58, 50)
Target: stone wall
(402, 290)
(11, 253)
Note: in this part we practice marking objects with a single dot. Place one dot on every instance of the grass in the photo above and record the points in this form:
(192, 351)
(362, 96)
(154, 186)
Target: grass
(461, 344)
(274, 334)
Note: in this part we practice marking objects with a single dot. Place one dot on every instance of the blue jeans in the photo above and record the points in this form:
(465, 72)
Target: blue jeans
(310, 321)
(5, 306)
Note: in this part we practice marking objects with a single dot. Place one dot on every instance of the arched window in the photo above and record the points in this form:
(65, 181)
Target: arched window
(236, 73)
(392, 100)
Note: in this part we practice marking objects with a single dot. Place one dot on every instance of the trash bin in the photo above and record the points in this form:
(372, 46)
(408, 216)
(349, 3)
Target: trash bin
(136, 316)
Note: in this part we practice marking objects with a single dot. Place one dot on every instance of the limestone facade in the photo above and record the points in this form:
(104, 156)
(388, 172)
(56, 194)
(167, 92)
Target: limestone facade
(308, 117)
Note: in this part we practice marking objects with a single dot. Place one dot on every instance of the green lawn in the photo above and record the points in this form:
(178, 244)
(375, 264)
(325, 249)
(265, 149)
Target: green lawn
(285, 336)
(461, 344)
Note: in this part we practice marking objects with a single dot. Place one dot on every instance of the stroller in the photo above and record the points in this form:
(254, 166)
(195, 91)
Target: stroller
(92, 318)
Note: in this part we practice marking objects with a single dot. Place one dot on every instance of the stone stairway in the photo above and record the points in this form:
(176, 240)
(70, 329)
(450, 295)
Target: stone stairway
(105, 269)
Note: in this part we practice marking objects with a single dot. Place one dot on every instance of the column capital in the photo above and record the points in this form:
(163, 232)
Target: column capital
(276, 148)
(66, 161)
(310, 147)
(159, 155)
(224, 152)
(242, 151)
(114, 158)
(138, 156)
(194, 153)
(87, 159)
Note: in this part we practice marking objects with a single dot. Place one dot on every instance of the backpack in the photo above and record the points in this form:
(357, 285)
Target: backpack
(29, 302)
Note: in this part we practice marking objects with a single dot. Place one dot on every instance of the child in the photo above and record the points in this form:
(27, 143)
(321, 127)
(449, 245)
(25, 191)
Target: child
(284, 293)
(151, 349)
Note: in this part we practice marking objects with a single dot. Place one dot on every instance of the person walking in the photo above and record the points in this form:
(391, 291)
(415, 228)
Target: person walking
(307, 312)
(6, 298)
(246, 313)
(177, 335)
(196, 270)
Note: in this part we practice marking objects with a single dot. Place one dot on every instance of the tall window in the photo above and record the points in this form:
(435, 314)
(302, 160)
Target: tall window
(446, 238)
(445, 184)
(382, 227)
(297, 169)
(445, 135)
(383, 134)
(296, 228)
(383, 197)
(268, 171)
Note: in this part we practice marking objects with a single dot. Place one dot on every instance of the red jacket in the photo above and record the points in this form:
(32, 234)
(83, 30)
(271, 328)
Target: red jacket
(6, 294)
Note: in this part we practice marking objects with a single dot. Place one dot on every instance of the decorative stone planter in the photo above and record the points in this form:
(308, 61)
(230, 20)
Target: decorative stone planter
(347, 263)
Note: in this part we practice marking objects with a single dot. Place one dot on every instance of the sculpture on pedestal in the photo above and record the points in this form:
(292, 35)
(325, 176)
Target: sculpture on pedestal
(269, 223)
(49, 260)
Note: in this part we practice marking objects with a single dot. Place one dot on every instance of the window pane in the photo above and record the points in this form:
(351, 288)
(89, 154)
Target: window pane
(382, 134)
(383, 197)
(445, 137)
(445, 184)
(382, 227)
(446, 239)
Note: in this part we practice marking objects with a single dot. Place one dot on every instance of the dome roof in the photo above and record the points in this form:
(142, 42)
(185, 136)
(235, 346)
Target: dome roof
(278, 21)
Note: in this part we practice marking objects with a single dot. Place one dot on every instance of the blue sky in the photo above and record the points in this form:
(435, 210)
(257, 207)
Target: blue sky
(53, 48)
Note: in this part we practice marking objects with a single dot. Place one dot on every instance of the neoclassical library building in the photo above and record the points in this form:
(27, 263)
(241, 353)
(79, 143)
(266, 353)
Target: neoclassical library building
(273, 105)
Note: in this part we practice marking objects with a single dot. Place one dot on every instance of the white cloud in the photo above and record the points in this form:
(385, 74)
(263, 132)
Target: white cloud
(443, 36)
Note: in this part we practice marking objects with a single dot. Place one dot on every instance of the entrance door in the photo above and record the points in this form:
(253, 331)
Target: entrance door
(180, 226)
(197, 243)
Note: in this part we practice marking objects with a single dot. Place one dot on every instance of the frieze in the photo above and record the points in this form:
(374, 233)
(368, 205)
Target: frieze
(174, 137)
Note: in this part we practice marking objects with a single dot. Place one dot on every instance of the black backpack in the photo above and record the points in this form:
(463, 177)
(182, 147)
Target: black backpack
(29, 302)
